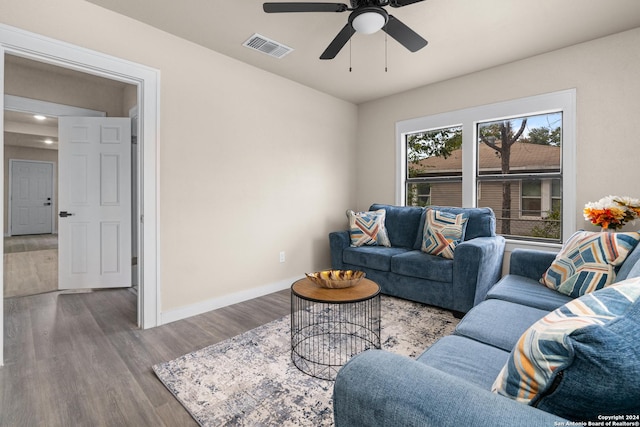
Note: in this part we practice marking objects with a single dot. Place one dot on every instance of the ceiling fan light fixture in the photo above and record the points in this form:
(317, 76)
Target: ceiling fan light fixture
(369, 22)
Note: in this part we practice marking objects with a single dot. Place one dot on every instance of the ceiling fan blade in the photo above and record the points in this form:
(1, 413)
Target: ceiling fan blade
(404, 35)
(304, 7)
(400, 3)
(338, 43)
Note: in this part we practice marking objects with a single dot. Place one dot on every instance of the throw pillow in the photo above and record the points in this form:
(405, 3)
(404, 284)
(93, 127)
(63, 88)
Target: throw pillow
(367, 228)
(582, 359)
(443, 231)
(589, 261)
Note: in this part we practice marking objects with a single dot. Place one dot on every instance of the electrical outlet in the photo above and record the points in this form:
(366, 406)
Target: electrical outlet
(282, 256)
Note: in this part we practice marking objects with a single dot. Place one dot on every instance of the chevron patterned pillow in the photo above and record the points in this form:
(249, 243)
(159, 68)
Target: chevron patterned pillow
(367, 228)
(589, 261)
(443, 231)
(581, 357)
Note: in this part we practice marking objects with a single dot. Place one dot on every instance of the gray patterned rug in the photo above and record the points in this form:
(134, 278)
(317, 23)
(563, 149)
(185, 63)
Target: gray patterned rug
(249, 380)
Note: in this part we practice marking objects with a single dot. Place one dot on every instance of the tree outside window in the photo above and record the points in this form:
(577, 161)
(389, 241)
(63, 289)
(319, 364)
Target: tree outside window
(522, 155)
(518, 160)
(434, 167)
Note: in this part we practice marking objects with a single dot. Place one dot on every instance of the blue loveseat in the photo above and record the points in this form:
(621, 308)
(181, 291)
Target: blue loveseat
(404, 271)
(450, 383)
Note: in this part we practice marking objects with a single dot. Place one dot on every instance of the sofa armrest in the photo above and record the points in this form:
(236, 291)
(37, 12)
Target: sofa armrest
(338, 242)
(477, 266)
(377, 388)
(530, 263)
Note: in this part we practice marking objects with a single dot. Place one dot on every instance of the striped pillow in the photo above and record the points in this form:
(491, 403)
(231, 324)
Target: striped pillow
(588, 261)
(442, 232)
(554, 343)
(367, 228)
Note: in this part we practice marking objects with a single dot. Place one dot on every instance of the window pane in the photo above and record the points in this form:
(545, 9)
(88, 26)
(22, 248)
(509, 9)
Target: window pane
(434, 193)
(556, 188)
(531, 207)
(418, 194)
(531, 189)
(435, 153)
(522, 145)
(528, 145)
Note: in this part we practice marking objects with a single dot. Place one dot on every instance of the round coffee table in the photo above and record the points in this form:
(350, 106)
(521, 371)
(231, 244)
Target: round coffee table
(329, 326)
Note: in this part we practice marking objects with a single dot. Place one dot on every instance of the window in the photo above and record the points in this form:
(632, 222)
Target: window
(531, 198)
(522, 155)
(434, 167)
(516, 157)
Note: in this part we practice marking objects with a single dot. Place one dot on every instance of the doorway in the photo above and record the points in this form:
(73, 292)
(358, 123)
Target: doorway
(31, 134)
(30, 197)
(30, 248)
(27, 45)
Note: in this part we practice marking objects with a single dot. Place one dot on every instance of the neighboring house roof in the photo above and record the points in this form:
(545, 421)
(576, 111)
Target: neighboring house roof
(525, 157)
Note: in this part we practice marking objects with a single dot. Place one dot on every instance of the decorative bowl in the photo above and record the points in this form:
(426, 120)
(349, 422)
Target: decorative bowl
(336, 279)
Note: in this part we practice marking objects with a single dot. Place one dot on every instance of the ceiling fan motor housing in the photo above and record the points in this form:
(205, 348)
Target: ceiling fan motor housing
(366, 10)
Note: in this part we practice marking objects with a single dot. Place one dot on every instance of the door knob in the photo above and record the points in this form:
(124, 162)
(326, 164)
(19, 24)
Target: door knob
(64, 214)
(48, 204)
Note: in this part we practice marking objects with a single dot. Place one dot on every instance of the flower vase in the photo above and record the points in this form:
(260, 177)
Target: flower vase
(607, 230)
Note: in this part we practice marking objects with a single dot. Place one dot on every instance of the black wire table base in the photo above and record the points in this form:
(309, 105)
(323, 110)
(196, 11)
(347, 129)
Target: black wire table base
(325, 335)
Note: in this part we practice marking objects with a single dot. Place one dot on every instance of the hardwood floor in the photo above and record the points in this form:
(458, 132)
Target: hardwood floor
(30, 264)
(79, 359)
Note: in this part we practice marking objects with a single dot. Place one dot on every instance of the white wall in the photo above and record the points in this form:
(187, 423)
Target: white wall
(605, 74)
(250, 163)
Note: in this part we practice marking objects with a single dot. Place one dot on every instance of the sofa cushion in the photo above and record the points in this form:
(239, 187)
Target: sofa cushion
(375, 257)
(588, 261)
(526, 291)
(581, 360)
(402, 223)
(498, 323)
(424, 266)
(631, 266)
(467, 359)
(442, 232)
(368, 228)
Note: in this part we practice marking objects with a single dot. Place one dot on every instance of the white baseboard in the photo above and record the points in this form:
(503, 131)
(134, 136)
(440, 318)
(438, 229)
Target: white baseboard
(215, 303)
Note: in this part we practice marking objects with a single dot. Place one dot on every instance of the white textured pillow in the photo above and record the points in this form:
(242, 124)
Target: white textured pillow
(367, 228)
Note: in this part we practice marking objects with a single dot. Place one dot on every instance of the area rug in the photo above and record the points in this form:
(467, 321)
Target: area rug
(249, 380)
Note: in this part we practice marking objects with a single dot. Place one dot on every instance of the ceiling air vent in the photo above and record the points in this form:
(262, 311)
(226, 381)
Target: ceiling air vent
(268, 46)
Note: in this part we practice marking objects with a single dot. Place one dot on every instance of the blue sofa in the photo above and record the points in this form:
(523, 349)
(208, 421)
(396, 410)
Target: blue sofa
(450, 383)
(404, 271)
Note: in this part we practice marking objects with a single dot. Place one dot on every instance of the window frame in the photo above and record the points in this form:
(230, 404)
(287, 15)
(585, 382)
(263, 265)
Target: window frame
(469, 118)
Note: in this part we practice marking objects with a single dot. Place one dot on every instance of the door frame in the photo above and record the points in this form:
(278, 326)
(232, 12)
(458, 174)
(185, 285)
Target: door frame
(53, 194)
(29, 45)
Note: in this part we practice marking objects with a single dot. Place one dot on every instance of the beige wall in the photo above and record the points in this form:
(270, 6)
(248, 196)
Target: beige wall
(605, 74)
(65, 89)
(250, 163)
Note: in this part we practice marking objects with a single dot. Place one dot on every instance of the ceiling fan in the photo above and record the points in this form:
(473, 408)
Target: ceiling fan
(367, 17)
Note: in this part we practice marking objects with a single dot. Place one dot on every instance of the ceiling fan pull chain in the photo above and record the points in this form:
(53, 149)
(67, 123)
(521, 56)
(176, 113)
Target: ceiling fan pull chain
(349, 55)
(386, 56)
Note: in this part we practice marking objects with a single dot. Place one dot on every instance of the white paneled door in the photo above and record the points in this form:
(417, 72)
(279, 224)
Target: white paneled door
(31, 193)
(94, 224)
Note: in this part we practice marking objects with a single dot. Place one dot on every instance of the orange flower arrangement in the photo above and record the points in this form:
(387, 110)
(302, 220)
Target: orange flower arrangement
(612, 212)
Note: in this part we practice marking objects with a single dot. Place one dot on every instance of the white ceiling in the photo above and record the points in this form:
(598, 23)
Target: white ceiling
(22, 129)
(464, 36)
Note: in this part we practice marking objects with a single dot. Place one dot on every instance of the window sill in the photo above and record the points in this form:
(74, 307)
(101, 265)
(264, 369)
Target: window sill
(524, 244)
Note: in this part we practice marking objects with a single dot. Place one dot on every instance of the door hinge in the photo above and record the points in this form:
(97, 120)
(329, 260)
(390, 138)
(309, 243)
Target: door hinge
(141, 219)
